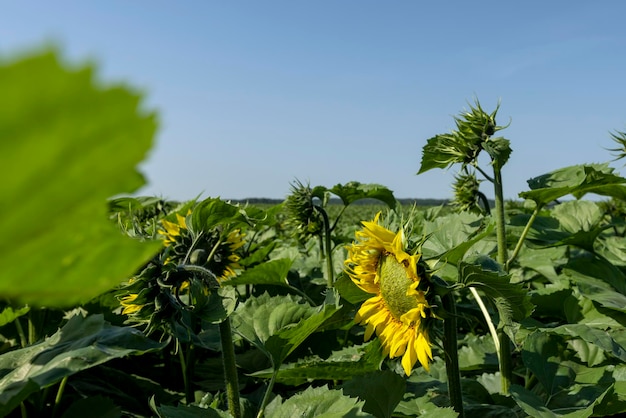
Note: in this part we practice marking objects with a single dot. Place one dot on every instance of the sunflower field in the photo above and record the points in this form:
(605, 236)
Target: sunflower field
(318, 306)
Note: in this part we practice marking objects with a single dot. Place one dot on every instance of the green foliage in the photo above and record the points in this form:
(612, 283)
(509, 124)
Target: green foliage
(577, 180)
(235, 304)
(82, 343)
(315, 403)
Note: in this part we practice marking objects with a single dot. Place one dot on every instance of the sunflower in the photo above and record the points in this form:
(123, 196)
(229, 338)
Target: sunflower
(172, 230)
(398, 312)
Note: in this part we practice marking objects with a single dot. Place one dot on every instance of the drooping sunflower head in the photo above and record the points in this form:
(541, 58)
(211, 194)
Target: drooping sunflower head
(175, 232)
(398, 311)
(217, 251)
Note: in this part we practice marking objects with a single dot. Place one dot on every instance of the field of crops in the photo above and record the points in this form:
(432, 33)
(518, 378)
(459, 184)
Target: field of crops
(318, 306)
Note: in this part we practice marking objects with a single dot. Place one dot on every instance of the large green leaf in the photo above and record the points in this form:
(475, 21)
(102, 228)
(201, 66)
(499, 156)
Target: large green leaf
(534, 406)
(598, 281)
(353, 191)
(273, 272)
(576, 180)
(69, 144)
(451, 236)
(381, 391)
(82, 343)
(320, 402)
(277, 325)
(340, 365)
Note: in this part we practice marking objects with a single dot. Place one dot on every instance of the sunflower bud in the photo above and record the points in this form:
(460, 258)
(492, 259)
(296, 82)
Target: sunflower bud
(466, 193)
(303, 216)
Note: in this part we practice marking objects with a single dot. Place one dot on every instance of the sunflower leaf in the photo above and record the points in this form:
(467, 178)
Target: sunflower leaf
(273, 272)
(70, 144)
(353, 191)
(316, 402)
(381, 391)
(277, 325)
(576, 180)
(82, 343)
(511, 300)
(340, 365)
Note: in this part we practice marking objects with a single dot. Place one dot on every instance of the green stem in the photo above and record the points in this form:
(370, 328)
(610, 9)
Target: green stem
(506, 372)
(500, 222)
(59, 397)
(23, 410)
(451, 353)
(268, 391)
(492, 328)
(20, 332)
(186, 370)
(230, 368)
(32, 330)
(522, 237)
(328, 249)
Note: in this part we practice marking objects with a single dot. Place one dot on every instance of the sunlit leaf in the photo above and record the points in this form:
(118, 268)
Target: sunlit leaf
(271, 272)
(320, 402)
(277, 325)
(451, 236)
(576, 180)
(426, 407)
(69, 144)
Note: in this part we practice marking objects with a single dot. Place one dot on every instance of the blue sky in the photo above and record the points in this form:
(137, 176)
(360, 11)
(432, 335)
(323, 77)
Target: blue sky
(255, 94)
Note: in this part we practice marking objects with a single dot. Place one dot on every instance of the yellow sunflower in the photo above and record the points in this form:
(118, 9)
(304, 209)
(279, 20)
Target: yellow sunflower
(378, 263)
(172, 229)
(128, 306)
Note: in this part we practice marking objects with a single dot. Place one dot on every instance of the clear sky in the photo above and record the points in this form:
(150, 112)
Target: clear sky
(255, 94)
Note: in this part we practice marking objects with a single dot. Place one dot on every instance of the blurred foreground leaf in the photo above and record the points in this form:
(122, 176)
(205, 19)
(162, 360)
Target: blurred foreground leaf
(69, 144)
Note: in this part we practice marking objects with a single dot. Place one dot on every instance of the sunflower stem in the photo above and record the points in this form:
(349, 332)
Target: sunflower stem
(451, 354)
(266, 396)
(522, 237)
(327, 247)
(492, 328)
(184, 368)
(506, 372)
(20, 332)
(59, 397)
(230, 368)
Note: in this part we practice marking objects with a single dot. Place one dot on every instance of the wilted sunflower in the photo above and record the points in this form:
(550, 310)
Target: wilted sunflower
(398, 312)
(210, 250)
(172, 281)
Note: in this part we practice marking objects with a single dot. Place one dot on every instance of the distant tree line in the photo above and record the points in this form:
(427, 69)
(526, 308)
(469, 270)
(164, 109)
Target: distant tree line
(404, 201)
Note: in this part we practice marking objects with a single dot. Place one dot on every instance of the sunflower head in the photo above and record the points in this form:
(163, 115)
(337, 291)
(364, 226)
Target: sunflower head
(184, 275)
(399, 311)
